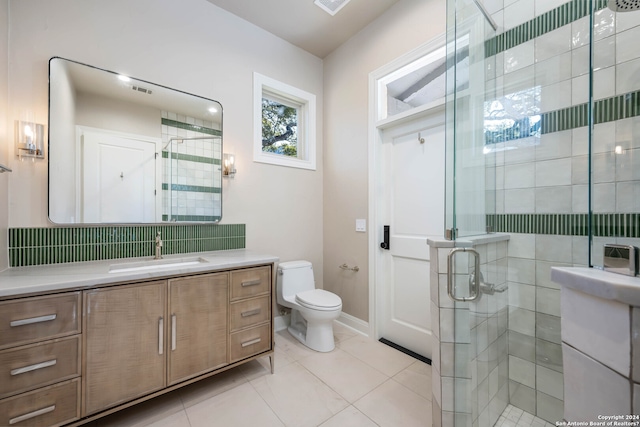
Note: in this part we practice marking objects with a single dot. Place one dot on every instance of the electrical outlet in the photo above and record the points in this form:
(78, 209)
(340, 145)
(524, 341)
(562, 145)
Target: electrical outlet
(361, 225)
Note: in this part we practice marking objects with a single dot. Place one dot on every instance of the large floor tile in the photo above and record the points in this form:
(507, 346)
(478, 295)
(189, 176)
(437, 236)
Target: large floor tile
(344, 373)
(350, 417)
(299, 398)
(382, 357)
(342, 332)
(392, 405)
(417, 377)
(212, 386)
(291, 347)
(262, 366)
(238, 407)
(163, 411)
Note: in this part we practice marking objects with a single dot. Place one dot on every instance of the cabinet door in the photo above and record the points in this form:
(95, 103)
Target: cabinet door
(124, 344)
(198, 325)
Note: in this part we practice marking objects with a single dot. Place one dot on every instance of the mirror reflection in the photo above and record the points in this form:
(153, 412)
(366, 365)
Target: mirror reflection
(123, 150)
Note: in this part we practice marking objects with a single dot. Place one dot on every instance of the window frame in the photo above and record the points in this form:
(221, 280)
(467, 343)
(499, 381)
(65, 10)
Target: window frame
(305, 103)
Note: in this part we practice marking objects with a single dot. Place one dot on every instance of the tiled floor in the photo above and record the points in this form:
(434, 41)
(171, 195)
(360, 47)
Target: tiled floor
(360, 383)
(516, 417)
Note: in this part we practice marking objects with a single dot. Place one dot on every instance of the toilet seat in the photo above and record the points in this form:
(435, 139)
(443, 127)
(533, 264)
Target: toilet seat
(319, 299)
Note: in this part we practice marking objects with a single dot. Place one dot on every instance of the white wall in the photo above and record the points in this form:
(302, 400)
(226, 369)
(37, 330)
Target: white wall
(407, 25)
(4, 134)
(190, 45)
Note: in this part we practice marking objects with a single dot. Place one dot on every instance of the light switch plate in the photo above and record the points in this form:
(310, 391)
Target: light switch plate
(361, 225)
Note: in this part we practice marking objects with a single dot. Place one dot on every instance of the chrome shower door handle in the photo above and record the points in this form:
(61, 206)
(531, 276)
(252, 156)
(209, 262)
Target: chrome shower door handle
(474, 288)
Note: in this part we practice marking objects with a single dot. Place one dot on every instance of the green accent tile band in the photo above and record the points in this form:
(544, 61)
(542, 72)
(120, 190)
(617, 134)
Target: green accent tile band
(603, 225)
(552, 20)
(192, 188)
(194, 218)
(191, 158)
(604, 110)
(37, 246)
(187, 126)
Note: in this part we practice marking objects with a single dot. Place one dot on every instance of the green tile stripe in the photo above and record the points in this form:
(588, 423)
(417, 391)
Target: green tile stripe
(187, 126)
(193, 188)
(603, 225)
(37, 246)
(192, 218)
(540, 25)
(604, 110)
(191, 158)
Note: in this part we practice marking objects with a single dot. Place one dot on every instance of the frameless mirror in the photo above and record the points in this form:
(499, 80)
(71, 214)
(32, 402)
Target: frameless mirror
(123, 150)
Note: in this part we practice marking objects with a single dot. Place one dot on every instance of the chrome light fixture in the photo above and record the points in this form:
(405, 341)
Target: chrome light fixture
(29, 139)
(228, 165)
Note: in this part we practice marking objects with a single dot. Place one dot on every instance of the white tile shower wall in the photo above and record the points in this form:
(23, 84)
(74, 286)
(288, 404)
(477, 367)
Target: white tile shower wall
(478, 360)
(190, 173)
(551, 176)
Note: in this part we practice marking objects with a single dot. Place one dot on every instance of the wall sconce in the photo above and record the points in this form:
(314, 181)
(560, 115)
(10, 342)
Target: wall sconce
(228, 165)
(29, 139)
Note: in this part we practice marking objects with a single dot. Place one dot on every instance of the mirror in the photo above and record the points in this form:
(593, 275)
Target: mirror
(123, 150)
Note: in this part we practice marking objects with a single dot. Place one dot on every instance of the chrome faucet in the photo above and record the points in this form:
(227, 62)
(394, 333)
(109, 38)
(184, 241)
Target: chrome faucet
(158, 246)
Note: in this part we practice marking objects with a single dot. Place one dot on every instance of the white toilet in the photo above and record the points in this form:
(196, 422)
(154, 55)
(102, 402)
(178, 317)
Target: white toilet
(312, 310)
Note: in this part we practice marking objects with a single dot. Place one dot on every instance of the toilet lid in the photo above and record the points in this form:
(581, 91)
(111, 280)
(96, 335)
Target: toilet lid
(318, 298)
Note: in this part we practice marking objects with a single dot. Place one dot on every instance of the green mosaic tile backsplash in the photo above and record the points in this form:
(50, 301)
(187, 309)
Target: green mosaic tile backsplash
(36, 246)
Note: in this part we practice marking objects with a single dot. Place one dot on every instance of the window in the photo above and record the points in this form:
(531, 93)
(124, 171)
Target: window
(284, 124)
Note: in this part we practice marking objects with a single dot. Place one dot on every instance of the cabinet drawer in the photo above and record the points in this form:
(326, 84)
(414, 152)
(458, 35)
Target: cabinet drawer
(39, 318)
(249, 312)
(51, 406)
(250, 282)
(249, 342)
(29, 367)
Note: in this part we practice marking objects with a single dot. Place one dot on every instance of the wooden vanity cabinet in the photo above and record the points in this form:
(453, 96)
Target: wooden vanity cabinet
(73, 357)
(124, 344)
(40, 360)
(198, 325)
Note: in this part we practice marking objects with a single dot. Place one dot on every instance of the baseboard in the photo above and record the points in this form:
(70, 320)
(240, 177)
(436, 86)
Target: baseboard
(354, 323)
(281, 322)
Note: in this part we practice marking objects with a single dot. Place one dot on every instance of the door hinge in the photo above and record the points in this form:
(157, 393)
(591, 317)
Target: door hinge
(451, 233)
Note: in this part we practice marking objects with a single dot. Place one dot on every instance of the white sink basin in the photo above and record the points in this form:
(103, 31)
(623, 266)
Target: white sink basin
(155, 264)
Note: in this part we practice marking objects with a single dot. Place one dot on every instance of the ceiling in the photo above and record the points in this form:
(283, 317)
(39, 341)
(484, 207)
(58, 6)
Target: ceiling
(304, 24)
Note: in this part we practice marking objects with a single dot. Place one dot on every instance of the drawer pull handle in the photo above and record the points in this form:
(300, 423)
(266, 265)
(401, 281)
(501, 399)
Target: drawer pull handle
(32, 414)
(160, 335)
(33, 320)
(251, 283)
(248, 343)
(34, 367)
(250, 312)
(173, 332)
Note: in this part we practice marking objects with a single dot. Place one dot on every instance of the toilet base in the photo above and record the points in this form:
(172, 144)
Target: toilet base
(316, 336)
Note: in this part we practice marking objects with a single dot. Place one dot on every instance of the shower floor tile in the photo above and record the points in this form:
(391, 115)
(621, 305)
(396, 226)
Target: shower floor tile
(516, 417)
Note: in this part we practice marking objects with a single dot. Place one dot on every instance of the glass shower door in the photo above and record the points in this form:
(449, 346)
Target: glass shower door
(479, 351)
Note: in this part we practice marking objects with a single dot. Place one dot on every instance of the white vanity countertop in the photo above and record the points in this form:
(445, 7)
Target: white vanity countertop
(55, 277)
(599, 283)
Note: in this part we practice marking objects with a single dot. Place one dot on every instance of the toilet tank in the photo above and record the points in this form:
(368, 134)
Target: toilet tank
(294, 277)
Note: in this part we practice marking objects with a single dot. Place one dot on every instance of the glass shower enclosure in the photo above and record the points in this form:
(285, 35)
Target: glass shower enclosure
(543, 169)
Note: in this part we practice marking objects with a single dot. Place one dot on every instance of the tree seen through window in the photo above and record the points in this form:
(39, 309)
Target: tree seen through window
(279, 128)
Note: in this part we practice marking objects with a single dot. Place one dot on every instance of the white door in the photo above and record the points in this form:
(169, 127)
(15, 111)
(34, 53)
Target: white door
(412, 204)
(118, 179)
